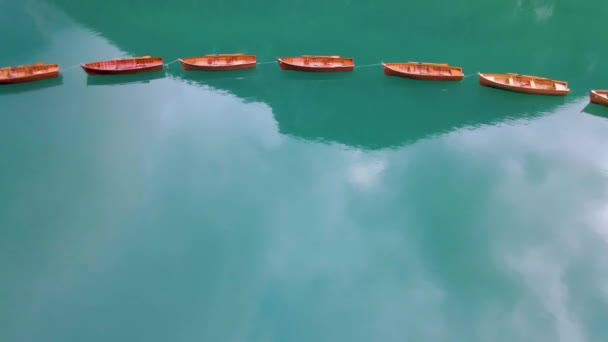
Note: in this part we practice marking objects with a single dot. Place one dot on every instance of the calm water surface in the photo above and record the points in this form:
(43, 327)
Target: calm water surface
(278, 206)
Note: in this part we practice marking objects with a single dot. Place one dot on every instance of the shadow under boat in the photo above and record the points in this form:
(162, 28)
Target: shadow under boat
(31, 86)
(314, 76)
(201, 77)
(596, 110)
(241, 83)
(110, 80)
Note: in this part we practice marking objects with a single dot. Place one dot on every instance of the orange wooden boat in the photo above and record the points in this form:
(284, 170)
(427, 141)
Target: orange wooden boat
(225, 62)
(599, 97)
(524, 84)
(423, 71)
(317, 63)
(28, 73)
(124, 66)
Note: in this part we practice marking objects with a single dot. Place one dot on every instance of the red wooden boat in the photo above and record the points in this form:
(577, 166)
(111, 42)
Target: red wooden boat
(423, 71)
(317, 63)
(28, 73)
(124, 66)
(524, 84)
(599, 97)
(225, 62)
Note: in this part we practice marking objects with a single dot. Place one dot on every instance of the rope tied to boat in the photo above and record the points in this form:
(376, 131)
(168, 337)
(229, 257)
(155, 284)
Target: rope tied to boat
(173, 61)
(269, 62)
(367, 65)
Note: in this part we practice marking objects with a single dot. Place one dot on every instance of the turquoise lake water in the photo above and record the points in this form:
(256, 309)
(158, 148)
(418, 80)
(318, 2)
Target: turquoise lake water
(266, 205)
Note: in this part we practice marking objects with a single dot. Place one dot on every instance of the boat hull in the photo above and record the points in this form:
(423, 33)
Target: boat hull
(483, 81)
(30, 78)
(423, 77)
(596, 98)
(137, 70)
(294, 67)
(194, 67)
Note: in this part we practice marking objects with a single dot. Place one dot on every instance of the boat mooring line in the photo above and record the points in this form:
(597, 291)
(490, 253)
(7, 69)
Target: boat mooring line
(173, 61)
(367, 65)
(266, 62)
(465, 76)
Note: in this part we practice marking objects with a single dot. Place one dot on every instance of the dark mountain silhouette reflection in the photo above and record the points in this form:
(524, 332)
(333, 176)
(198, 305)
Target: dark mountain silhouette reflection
(386, 113)
(365, 122)
(364, 108)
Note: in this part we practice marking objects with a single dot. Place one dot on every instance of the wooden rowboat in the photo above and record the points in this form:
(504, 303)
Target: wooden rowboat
(224, 62)
(28, 73)
(524, 84)
(599, 97)
(317, 63)
(124, 66)
(423, 71)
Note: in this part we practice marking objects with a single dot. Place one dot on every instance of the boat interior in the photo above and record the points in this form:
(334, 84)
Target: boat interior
(428, 69)
(222, 59)
(124, 63)
(602, 93)
(320, 61)
(527, 82)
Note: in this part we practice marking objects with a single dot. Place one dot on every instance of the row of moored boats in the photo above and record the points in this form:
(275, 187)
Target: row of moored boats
(228, 62)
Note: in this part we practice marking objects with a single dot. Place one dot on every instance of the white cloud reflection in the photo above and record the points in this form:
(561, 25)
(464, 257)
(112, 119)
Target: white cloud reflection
(365, 170)
(551, 192)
